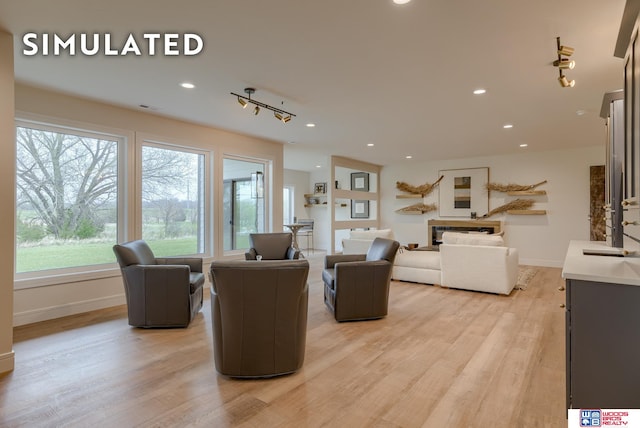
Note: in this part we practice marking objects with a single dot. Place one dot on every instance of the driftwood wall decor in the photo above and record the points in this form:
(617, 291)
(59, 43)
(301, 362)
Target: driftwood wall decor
(513, 187)
(518, 204)
(418, 208)
(423, 189)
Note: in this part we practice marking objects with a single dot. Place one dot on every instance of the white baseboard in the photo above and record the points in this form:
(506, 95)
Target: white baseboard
(7, 362)
(542, 262)
(51, 312)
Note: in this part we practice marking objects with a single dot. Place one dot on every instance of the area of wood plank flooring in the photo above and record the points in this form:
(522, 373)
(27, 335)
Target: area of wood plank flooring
(441, 358)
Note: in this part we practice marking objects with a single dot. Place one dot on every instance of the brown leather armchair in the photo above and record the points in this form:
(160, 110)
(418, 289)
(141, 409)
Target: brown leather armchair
(259, 316)
(356, 286)
(160, 292)
(271, 246)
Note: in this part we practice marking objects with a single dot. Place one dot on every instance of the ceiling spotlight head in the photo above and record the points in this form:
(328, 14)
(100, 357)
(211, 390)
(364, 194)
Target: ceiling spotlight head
(565, 50)
(286, 119)
(242, 102)
(277, 115)
(256, 110)
(565, 83)
(564, 63)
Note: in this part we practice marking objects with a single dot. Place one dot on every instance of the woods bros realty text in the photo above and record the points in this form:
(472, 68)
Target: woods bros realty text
(90, 44)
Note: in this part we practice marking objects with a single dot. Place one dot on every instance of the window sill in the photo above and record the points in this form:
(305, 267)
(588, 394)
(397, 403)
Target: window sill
(64, 278)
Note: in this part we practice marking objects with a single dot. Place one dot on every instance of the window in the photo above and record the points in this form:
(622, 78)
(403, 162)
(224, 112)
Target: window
(173, 182)
(67, 197)
(243, 198)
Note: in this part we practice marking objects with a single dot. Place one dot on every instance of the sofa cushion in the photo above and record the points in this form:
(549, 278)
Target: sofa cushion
(456, 238)
(371, 234)
(418, 259)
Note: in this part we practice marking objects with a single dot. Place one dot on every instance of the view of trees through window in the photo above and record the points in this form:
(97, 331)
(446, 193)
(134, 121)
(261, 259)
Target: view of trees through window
(172, 201)
(67, 194)
(71, 203)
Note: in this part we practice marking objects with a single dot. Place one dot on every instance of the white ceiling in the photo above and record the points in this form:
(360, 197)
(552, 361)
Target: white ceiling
(365, 71)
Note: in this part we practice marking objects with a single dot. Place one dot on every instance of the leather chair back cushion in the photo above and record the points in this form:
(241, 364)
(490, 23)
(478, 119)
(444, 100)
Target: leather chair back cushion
(383, 249)
(271, 246)
(134, 253)
(259, 315)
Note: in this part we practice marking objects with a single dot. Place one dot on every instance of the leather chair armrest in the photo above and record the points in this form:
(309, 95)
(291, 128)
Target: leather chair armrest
(194, 263)
(331, 260)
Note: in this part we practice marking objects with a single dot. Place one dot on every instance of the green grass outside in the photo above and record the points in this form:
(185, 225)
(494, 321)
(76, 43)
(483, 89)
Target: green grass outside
(29, 259)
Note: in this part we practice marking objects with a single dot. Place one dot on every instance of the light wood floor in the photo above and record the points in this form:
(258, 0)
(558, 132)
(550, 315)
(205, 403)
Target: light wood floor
(442, 358)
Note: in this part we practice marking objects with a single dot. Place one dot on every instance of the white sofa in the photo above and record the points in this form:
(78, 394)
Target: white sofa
(417, 266)
(478, 262)
(359, 241)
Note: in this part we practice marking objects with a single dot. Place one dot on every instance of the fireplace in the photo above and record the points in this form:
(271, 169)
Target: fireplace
(437, 227)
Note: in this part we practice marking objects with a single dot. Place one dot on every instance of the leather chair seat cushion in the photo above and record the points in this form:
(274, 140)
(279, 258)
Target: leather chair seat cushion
(418, 259)
(327, 277)
(196, 281)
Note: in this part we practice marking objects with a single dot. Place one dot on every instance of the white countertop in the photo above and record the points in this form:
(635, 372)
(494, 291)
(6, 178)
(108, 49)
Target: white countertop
(617, 270)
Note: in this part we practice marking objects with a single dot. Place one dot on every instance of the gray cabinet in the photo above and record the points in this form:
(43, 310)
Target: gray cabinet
(603, 344)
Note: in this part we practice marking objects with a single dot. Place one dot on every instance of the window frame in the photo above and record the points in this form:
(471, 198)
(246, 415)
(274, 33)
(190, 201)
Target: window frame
(267, 165)
(45, 277)
(168, 144)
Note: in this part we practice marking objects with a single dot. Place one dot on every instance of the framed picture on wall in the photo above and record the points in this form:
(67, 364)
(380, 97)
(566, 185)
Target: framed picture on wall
(360, 181)
(463, 191)
(359, 209)
(320, 188)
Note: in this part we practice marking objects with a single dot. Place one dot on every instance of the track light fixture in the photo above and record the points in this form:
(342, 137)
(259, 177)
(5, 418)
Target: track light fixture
(566, 83)
(281, 115)
(564, 64)
(243, 103)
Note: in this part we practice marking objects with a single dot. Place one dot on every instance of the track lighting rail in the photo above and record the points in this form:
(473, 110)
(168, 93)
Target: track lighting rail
(280, 114)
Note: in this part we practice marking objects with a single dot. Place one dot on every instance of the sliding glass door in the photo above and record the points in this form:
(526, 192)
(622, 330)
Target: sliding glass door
(243, 199)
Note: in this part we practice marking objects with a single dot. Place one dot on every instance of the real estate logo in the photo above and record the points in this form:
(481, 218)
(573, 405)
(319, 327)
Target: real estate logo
(590, 417)
(84, 44)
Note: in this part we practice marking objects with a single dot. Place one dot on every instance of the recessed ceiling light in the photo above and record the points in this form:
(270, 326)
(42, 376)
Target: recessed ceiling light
(370, 144)
(401, 1)
(524, 145)
(580, 112)
(318, 166)
(310, 125)
(187, 85)
(507, 126)
(480, 91)
(408, 157)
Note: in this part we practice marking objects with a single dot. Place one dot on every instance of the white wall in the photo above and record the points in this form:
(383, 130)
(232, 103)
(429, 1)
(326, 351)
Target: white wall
(7, 199)
(299, 180)
(541, 240)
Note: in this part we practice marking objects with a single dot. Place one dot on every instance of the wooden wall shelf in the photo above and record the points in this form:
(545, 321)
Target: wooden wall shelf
(527, 192)
(527, 212)
(409, 196)
(410, 212)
